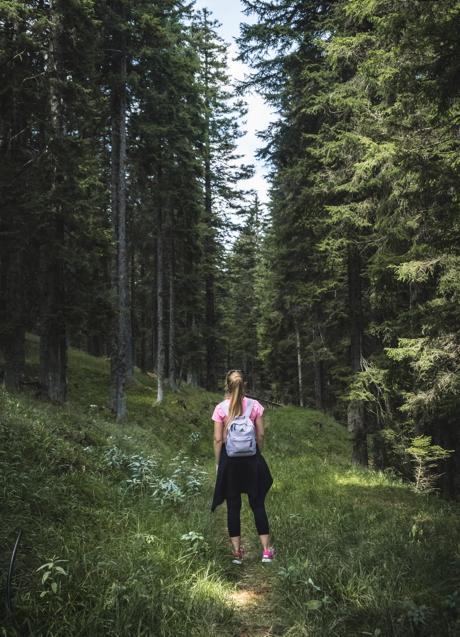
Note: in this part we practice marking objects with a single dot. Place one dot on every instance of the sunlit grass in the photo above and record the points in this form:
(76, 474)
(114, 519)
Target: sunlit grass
(358, 551)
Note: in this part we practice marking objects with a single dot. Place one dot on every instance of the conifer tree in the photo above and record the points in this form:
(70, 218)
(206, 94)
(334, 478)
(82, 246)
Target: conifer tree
(18, 180)
(365, 100)
(121, 344)
(240, 297)
(222, 170)
(165, 176)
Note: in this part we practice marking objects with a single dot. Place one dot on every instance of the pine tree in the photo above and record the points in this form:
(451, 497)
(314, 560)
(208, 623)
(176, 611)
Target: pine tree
(366, 99)
(240, 297)
(18, 181)
(222, 170)
(165, 181)
(121, 345)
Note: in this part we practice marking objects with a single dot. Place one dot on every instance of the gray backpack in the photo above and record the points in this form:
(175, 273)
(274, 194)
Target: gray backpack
(241, 434)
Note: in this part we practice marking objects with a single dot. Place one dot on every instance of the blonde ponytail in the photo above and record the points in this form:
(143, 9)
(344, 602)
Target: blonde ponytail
(235, 388)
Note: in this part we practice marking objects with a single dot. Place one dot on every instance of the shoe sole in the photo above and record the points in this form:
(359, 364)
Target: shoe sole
(267, 560)
(238, 562)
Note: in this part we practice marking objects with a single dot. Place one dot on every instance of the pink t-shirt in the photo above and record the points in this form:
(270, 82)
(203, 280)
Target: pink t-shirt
(219, 414)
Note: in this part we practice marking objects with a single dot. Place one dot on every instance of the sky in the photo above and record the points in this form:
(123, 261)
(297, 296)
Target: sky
(229, 14)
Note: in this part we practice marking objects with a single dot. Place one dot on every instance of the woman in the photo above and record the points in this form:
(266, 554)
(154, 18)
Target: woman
(237, 475)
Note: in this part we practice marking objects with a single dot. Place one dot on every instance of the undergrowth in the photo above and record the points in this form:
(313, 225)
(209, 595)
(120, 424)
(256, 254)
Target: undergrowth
(118, 538)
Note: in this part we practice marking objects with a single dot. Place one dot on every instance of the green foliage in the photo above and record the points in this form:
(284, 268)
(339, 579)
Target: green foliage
(365, 162)
(52, 576)
(67, 471)
(426, 457)
(242, 299)
(344, 536)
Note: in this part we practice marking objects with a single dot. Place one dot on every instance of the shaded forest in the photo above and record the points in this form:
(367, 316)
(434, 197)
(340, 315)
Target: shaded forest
(126, 231)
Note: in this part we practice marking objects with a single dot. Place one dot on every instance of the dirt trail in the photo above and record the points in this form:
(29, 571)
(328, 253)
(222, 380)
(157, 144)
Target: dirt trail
(252, 597)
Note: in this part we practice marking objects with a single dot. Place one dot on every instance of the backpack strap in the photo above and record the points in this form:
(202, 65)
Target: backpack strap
(249, 406)
(247, 412)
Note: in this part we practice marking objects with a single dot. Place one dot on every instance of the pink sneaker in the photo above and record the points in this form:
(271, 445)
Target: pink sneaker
(268, 555)
(237, 556)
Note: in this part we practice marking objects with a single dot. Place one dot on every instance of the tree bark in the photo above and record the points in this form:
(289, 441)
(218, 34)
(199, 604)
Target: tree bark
(133, 327)
(12, 335)
(299, 363)
(143, 329)
(209, 243)
(319, 384)
(355, 421)
(355, 412)
(53, 337)
(161, 355)
(13, 238)
(192, 374)
(211, 381)
(172, 317)
(121, 345)
(318, 369)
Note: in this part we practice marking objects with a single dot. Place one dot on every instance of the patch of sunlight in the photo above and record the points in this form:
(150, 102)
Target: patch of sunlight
(371, 479)
(244, 598)
(208, 586)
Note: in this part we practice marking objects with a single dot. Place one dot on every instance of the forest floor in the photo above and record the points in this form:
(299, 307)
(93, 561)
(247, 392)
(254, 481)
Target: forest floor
(252, 600)
(118, 539)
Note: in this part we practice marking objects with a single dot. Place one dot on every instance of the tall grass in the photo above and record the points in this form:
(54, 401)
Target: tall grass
(359, 552)
(109, 548)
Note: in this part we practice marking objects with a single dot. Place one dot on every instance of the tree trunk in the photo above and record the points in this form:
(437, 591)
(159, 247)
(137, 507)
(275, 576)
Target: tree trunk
(209, 243)
(192, 374)
(121, 346)
(133, 330)
(13, 238)
(142, 328)
(12, 317)
(161, 357)
(355, 412)
(211, 381)
(210, 317)
(319, 384)
(172, 317)
(143, 352)
(318, 369)
(355, 421)
(14, 352)
(53, 337)
(153, 340)
(192, 378)
(299, 363)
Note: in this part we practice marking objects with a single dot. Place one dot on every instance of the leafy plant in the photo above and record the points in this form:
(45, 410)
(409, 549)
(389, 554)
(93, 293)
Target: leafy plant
(194, 542)
(141, 471)
(52, 576)
(418, 615)
(195, 437)
(115, 457)
(167, 490)
(426, 458)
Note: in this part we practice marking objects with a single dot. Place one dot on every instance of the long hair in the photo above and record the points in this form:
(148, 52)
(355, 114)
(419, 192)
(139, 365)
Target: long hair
(234, 386)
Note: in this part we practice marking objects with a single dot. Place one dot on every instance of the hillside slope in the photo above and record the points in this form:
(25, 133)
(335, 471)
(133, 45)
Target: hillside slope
(126, 509)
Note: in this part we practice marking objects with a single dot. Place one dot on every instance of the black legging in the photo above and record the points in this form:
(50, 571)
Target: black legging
(233, 515)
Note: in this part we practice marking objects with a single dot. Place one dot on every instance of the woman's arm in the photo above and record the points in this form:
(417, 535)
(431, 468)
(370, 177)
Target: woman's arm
(218, 439)
(260, 431)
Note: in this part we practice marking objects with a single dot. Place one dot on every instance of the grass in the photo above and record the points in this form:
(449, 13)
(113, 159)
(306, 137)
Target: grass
(359, 553)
